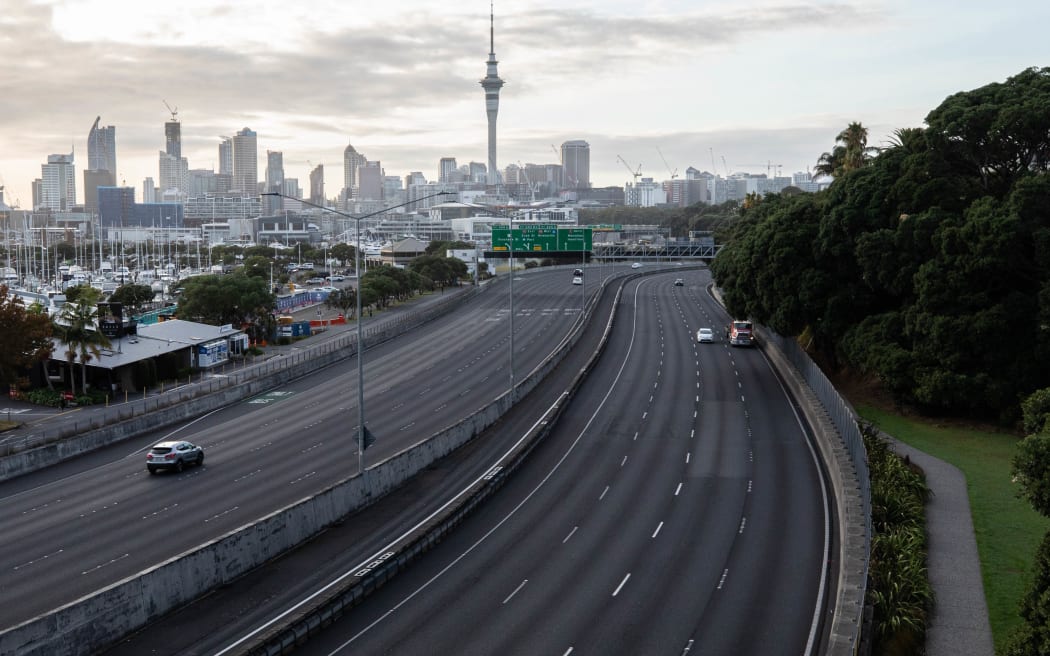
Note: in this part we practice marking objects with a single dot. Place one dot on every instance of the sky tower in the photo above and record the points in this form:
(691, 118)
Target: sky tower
(491, 84)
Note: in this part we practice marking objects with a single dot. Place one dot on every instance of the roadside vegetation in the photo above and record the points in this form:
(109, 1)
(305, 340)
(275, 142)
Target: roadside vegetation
(925, 269)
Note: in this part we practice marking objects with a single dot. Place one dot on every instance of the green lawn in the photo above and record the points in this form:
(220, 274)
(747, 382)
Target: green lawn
(1008, 530)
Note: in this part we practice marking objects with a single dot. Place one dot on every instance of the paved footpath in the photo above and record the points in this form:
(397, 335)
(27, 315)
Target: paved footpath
(958, 625)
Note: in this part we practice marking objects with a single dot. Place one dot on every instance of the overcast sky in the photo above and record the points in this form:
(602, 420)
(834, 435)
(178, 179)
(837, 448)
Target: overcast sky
(751, 81)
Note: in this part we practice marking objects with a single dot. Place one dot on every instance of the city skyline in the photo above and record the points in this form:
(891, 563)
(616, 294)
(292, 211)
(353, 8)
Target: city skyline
(691, 83)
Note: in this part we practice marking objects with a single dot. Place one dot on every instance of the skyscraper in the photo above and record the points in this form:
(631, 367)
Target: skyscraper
(352, 161)
(226, 156)
(102, 163)
(317, 185)
(58, 185)
(446, 169)
(102, 148)
(173, 137)
(491, 84)
(274, 180)
(246, 163)
(370, 181)
(576, 162)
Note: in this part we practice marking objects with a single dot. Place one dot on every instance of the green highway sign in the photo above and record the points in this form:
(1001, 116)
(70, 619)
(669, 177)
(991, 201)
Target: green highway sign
(541, 238)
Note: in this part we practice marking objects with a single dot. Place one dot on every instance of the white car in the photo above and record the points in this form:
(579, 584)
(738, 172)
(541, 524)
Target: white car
(705, 335)
(577, 280)
(636, 265)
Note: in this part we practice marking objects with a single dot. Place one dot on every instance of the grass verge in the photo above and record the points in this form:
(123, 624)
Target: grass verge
(1008, 530)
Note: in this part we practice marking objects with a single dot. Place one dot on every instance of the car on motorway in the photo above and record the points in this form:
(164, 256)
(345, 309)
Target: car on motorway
(636, 265)
(678, 282)
(173, 455)
(315, 281)
(337, 277)
(577, 272)
(705, 335)
(577, 280)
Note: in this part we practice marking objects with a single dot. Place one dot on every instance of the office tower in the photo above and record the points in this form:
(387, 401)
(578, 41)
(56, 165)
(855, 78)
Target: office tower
(58, 186)
(274, 180)
(491, 84)
(477, 172)
(173, 137)
(174, 172)
(370, 181)
(317, 185)
(352, 161)
(116, 207)
(149, 191)
(446, 169)
(102, 149)
(226, 156)
(92, 181)
(245, 163)
(576, 163)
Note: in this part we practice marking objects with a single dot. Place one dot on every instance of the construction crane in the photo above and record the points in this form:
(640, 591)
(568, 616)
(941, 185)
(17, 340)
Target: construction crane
(770, 167)
(635, 173)
(674, 173)
(174, 112)
(726, 166)
(556, 151)
(525, 174)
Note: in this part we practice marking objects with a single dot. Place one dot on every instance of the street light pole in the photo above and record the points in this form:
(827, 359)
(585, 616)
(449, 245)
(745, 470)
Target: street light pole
(361, 430)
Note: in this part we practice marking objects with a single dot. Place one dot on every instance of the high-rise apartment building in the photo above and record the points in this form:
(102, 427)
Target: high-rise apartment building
(352, 161)
(317, 185)
(149, 191)
(446, 169)
(274, 181)
(102, 163)
(576, 163)
(492, 84)
(174, 172)
(226, 156)
(173, 138)
(58, 185)
(246, 163)
(102, 148)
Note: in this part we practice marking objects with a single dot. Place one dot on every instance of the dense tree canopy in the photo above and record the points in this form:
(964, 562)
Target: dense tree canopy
(133, 297)
(235, 298)
(928, 268)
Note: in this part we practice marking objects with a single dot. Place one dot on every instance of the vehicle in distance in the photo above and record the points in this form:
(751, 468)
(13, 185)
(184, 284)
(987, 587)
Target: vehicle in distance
(577, 280)
(315, 281)
(740, 333)
(337, 277)
(678, 282)
(705, 335)
(636, 265)
(577, 272)
(173, 455)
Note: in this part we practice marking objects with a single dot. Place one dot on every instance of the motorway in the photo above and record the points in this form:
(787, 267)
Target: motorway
(677, 508)
(72, 529)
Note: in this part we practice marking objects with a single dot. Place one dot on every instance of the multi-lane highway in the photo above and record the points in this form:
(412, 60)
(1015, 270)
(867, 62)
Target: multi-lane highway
(74, 529)
(677, 508)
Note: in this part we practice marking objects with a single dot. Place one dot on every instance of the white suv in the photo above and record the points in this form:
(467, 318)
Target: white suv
(173, 455)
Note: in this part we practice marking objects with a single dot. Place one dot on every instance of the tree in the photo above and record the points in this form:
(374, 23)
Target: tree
(851, 152)
(345, 300)
(439, 248)
(26, 337)
(77, 330)
(133, 297)
(83, 294)
(439, 269)
(236, 299)
(342, 252)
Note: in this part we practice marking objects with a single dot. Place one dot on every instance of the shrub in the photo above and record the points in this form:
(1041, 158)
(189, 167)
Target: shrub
(898, 585)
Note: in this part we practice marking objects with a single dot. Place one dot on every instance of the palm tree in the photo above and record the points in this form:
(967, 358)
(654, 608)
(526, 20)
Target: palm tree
(77, 330)
(851, 152)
